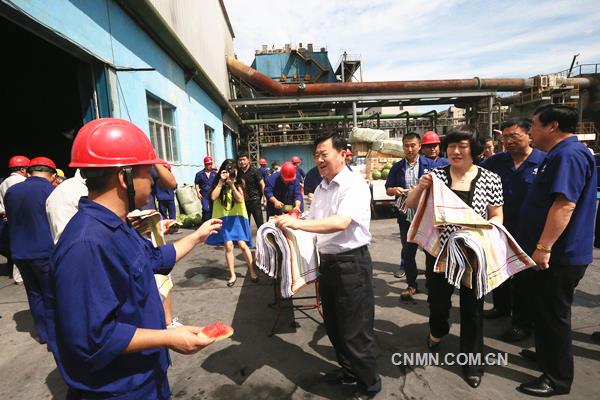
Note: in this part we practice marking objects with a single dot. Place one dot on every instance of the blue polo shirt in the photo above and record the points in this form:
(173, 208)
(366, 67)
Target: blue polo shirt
(103, 289)
(569, 169)
(286, 193)
(515, 182)
(28, 228)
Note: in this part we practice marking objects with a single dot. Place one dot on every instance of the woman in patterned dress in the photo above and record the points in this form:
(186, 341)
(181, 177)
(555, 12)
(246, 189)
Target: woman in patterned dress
(482, 191)
(227, 194)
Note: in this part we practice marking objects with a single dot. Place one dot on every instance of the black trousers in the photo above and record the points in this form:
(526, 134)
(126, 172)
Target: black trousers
(522, 309)
(501, 296)
(254, 209)
(552, 299)
(408, 254)
(346, 290)
(439, 293)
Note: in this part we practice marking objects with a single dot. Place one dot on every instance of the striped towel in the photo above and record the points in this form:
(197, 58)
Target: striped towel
(477, 247)
(290, 254)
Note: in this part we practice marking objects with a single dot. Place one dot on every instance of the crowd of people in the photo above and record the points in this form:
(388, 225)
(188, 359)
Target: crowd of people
(92, 277)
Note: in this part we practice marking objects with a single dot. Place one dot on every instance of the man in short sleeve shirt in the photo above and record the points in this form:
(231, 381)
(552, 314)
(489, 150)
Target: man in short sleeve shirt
(555, 229)
(254, 188)
(340, 216)
(517, 167)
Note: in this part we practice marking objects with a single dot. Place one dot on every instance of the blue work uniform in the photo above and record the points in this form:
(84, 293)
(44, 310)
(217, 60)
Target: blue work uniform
(103, 289)
(265, 172)
(165, 198)
(301, 172)
(312, 180)
(205, 182)
(515, 185)
(285, 193)
(31, 243)
(515, 182)
(440, 162)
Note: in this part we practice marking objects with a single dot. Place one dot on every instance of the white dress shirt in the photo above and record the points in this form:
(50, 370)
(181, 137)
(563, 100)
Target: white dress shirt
(63, 203)
(347, 194)
(12, 179)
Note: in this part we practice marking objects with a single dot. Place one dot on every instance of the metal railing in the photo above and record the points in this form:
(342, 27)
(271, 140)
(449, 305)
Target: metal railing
(581, 69)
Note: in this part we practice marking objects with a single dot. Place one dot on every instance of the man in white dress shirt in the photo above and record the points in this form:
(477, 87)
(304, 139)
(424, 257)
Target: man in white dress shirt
(340, 216)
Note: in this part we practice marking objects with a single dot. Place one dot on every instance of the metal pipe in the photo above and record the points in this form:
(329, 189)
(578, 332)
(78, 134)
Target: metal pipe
(354, 120)
(326, 118)
(490, 115)
(263, 82)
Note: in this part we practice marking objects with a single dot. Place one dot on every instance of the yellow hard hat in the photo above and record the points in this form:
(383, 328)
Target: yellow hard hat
(60, 172)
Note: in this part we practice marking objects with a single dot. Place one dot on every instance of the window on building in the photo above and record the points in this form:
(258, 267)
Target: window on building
(163, 135)
(209, 134)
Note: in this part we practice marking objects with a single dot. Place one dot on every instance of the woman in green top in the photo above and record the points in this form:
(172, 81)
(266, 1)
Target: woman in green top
(227, 194)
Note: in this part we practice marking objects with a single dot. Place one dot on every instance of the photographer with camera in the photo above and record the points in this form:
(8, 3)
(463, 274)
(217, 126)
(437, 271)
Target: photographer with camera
(227, 194)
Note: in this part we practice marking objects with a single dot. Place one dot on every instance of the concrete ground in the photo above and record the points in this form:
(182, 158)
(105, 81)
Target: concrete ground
(289, 364)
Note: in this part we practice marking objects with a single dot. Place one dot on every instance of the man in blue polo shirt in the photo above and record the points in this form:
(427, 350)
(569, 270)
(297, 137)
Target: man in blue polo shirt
(106, 321)
(203, 181)
(517, 167)
(29, 236)
(555, 229)
(403, 176)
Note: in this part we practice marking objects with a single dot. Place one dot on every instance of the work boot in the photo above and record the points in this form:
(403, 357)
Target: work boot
(408, 293)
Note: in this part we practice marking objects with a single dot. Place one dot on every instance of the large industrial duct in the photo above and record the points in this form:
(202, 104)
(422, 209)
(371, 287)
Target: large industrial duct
(263, 82)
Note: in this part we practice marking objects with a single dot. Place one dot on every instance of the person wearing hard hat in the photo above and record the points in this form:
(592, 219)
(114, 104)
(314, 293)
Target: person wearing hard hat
(202, 182)
(17, 166)
(297, 161)
(107, 327)
(30, 238)
(264, 171)
(430, 147)
(60, 177)
(283, 191)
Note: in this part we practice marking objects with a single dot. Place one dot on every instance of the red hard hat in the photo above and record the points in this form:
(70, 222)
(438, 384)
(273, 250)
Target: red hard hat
(111, 142)
(348, 153)
(262, 161)
(18, 161)
(208, 160)
(288, 172)
(430, 137)
(296, 159)
(43, 161)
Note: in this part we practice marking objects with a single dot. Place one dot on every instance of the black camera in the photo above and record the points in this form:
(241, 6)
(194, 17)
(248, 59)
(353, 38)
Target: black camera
(232, 171)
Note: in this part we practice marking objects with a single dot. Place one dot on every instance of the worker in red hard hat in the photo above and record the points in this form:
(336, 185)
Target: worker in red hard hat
(262, 168)
(30, 238)
(202, 182)
(108, 331)
(283, 191)
(430, 147)
(297, 161)
(348, 158)
(17, 166)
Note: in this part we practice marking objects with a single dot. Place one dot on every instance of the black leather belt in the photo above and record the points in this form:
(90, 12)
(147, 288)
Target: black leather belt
(345, 255)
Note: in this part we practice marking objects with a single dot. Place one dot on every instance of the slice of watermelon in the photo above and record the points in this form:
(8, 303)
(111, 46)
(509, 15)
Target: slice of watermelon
(218, 331)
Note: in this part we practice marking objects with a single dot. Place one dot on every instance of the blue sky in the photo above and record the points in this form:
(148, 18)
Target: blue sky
(435, 39)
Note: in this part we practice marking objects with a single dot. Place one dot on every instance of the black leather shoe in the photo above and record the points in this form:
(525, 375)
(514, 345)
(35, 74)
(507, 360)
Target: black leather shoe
(528, 354)
(494, 313)
(540, 387)
(339, 378)
(431, 345)
(473, 380)
(515, 334)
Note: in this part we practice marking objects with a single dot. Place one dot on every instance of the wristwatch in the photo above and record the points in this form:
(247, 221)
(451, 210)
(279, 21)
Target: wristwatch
(543, 248)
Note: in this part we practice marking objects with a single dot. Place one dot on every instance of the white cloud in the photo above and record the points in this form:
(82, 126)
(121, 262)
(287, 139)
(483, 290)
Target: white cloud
(437, 39)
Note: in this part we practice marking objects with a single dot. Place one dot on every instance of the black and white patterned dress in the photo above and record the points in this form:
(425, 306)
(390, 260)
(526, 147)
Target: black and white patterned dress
(486, 190)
